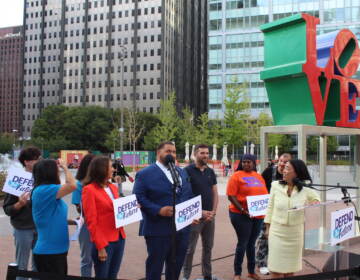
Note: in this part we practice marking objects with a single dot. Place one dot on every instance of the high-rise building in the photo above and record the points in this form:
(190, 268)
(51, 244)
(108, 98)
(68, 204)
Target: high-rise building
(114, 53)
(236, 46)
(11, 79)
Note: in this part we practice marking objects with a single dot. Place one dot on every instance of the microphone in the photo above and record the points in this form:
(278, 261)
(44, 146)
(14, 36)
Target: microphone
(170, 163)
(302, 183)
(169, 159)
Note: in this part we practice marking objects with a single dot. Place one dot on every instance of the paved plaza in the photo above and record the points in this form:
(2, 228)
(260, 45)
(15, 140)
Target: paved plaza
(133, 266)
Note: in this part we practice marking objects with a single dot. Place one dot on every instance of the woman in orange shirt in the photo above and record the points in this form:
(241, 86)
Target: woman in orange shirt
(243, 183)
(97, 200)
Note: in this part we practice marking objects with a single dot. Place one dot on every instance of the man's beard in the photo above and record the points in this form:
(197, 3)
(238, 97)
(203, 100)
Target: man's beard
(162, 159)
(202, 162)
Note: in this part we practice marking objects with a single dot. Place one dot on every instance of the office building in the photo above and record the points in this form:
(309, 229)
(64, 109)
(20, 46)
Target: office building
(236, 47)
(11, 46)
(114, 53)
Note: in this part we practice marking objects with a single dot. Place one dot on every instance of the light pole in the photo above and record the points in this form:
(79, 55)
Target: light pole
(14, 132)
(123, 55)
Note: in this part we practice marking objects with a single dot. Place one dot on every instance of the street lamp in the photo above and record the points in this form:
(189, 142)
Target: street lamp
(14, 132)
(123, 55)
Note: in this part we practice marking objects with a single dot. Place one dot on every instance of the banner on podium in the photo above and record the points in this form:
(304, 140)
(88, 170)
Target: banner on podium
(342, 225)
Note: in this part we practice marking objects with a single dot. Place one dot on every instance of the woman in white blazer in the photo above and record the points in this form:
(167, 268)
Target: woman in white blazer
(286, 229)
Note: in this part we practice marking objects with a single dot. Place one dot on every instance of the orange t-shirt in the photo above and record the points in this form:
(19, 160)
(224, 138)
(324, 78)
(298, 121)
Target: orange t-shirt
(243, 184)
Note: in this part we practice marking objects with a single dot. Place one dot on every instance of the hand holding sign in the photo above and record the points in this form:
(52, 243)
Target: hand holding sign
(23, 200)
(166, 211)
(208, 215)
(188, 211)
(126, 210)
(257, 204)
(18, 181)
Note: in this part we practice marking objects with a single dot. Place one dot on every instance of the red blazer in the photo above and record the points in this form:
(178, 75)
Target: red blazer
(99, 215)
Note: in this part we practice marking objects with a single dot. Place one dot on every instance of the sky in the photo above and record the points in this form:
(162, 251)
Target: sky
(11, 12)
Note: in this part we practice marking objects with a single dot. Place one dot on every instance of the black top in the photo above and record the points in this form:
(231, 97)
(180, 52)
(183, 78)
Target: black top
(20, 219)
(202, 183)
(119, 169)
(271, 174)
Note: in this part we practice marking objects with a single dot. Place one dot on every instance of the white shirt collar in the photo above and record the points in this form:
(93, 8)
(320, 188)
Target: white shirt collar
(166, 172)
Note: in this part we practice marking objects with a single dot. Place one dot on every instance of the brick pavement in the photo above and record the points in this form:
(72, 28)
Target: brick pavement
(135, 250)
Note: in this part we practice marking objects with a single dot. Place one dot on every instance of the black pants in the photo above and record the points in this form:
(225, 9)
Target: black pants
(54, 263)
(159, 253)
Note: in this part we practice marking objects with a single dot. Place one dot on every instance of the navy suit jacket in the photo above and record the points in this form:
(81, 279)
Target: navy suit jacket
(153, 191)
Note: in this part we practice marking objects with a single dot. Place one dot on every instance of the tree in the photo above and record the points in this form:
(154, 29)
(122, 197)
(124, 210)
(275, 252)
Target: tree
(87, 127)
(254, 125)
(187, 130)
(134, 128)
(203, 133)
(149, 121)
(50, 123)
(283, 141)
(56, 143)
(61, 127)
(236, 117)
(112, 141)
(313, 144)
(167, 129)
(6, 142)
(48, 131)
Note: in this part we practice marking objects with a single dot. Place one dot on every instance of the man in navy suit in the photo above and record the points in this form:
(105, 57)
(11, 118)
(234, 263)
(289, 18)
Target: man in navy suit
(153, 189)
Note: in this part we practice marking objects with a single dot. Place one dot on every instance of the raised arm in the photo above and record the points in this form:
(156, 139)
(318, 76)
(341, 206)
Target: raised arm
(70, 183)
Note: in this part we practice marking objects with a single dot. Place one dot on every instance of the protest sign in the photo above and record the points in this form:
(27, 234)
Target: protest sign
(18, 181)
(187, 211)
(257, 204)
(79, 223)
(342, 225)
(126, 211)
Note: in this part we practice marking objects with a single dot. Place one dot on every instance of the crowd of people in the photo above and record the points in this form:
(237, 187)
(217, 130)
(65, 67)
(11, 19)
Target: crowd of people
(272, 242)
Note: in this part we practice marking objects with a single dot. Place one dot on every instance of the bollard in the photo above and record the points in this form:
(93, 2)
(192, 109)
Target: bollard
(12, 271)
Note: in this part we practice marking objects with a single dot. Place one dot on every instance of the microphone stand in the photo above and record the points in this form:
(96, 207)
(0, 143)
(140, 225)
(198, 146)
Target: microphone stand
(176, 184)
(338, 186)
(344, 189)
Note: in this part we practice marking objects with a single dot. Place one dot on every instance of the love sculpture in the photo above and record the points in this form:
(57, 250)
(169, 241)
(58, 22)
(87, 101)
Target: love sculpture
(308, 78)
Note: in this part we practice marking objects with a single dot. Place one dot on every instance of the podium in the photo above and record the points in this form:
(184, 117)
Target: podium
(320, 253)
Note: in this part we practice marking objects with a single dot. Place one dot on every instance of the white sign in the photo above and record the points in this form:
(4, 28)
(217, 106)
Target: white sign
(188, 211)
(342, 225)
(257, 204)
(126, 210)
(79, 223)
(18, 181)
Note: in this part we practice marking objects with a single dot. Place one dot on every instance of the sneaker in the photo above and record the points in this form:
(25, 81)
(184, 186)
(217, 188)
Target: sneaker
(264, 270)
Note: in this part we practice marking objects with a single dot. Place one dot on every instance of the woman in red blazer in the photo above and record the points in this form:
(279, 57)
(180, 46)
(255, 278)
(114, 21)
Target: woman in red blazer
(97, 200)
